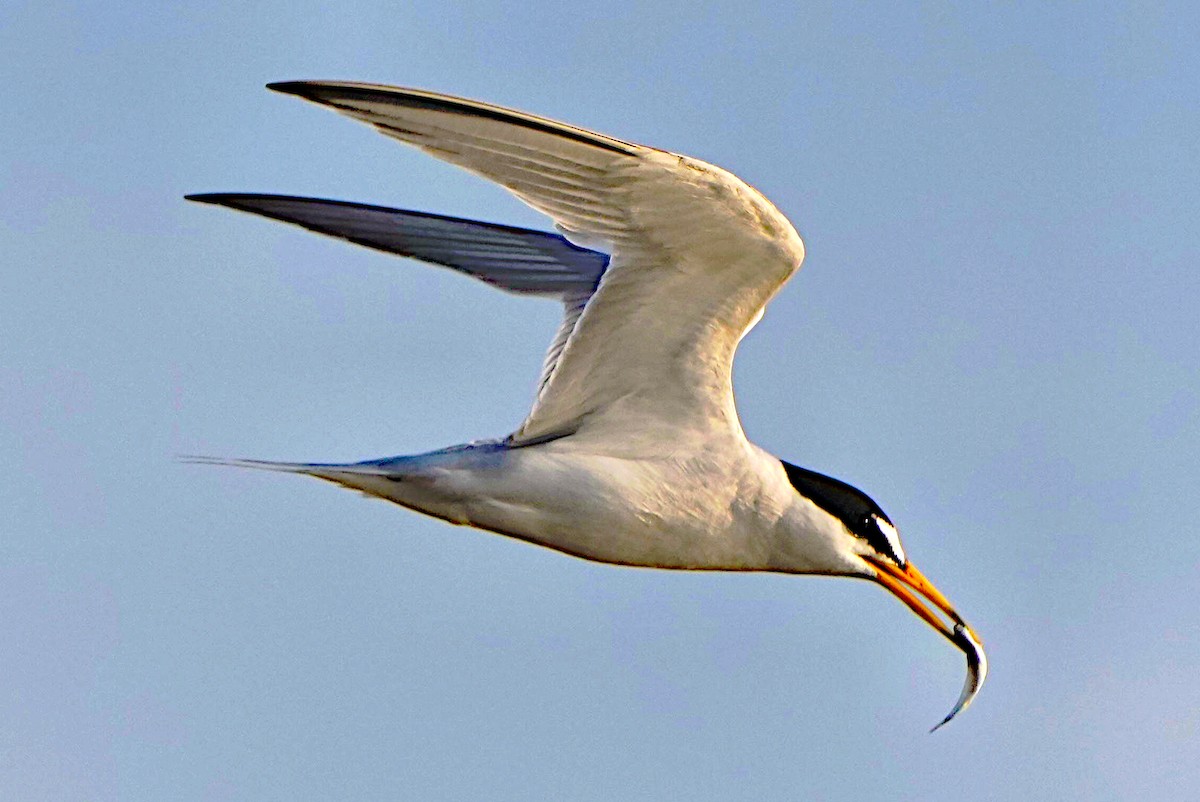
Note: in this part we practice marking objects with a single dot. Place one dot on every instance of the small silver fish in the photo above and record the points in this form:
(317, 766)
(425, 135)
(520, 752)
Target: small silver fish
(977, 668)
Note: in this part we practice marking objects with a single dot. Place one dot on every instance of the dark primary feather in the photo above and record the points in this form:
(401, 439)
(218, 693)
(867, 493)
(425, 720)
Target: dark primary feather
(340, 93)
(515, 259)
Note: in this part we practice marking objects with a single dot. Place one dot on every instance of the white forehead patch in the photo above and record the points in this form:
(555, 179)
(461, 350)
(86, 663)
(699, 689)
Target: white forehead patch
(893, 537)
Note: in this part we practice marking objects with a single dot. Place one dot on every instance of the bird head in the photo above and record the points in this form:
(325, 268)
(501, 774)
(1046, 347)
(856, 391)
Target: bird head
(868, 546)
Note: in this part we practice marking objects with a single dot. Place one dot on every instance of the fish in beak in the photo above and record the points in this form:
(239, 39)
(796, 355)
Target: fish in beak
(911, 587)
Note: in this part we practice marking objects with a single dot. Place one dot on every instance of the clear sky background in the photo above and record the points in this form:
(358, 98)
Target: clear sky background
(995, 334)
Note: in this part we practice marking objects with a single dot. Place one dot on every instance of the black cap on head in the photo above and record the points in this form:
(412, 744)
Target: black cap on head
(855, 509)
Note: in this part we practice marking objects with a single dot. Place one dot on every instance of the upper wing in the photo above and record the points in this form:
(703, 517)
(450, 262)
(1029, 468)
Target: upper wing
(696, 254)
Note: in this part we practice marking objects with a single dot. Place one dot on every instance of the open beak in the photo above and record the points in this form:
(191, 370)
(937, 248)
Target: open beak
(911, 587)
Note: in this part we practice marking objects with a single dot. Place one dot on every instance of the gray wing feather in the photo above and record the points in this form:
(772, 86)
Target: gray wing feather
(514, 259)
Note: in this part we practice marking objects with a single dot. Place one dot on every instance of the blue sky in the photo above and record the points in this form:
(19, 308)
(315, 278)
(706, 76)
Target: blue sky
(994, 333)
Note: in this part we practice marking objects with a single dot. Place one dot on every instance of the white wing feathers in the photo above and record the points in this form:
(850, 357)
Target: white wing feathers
(556, 168)
(696, 253)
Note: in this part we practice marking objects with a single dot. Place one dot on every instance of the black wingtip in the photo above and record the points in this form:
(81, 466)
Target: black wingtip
(206, 197)
(305, 89)
(233, 200)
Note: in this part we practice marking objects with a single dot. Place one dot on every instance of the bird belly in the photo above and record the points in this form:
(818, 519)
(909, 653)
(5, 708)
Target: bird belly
(668, 513)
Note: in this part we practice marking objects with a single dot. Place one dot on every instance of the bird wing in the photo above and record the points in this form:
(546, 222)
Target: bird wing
(516, 260)
(695, 255)
(513, 259)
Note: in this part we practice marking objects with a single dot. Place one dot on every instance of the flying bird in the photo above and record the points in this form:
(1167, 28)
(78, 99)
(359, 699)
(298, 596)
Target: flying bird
(633, 453)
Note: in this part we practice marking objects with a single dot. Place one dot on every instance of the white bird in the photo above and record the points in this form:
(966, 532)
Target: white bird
(633, 453)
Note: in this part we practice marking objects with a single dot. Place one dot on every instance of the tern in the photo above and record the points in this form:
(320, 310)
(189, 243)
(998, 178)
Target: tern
(633, 453)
